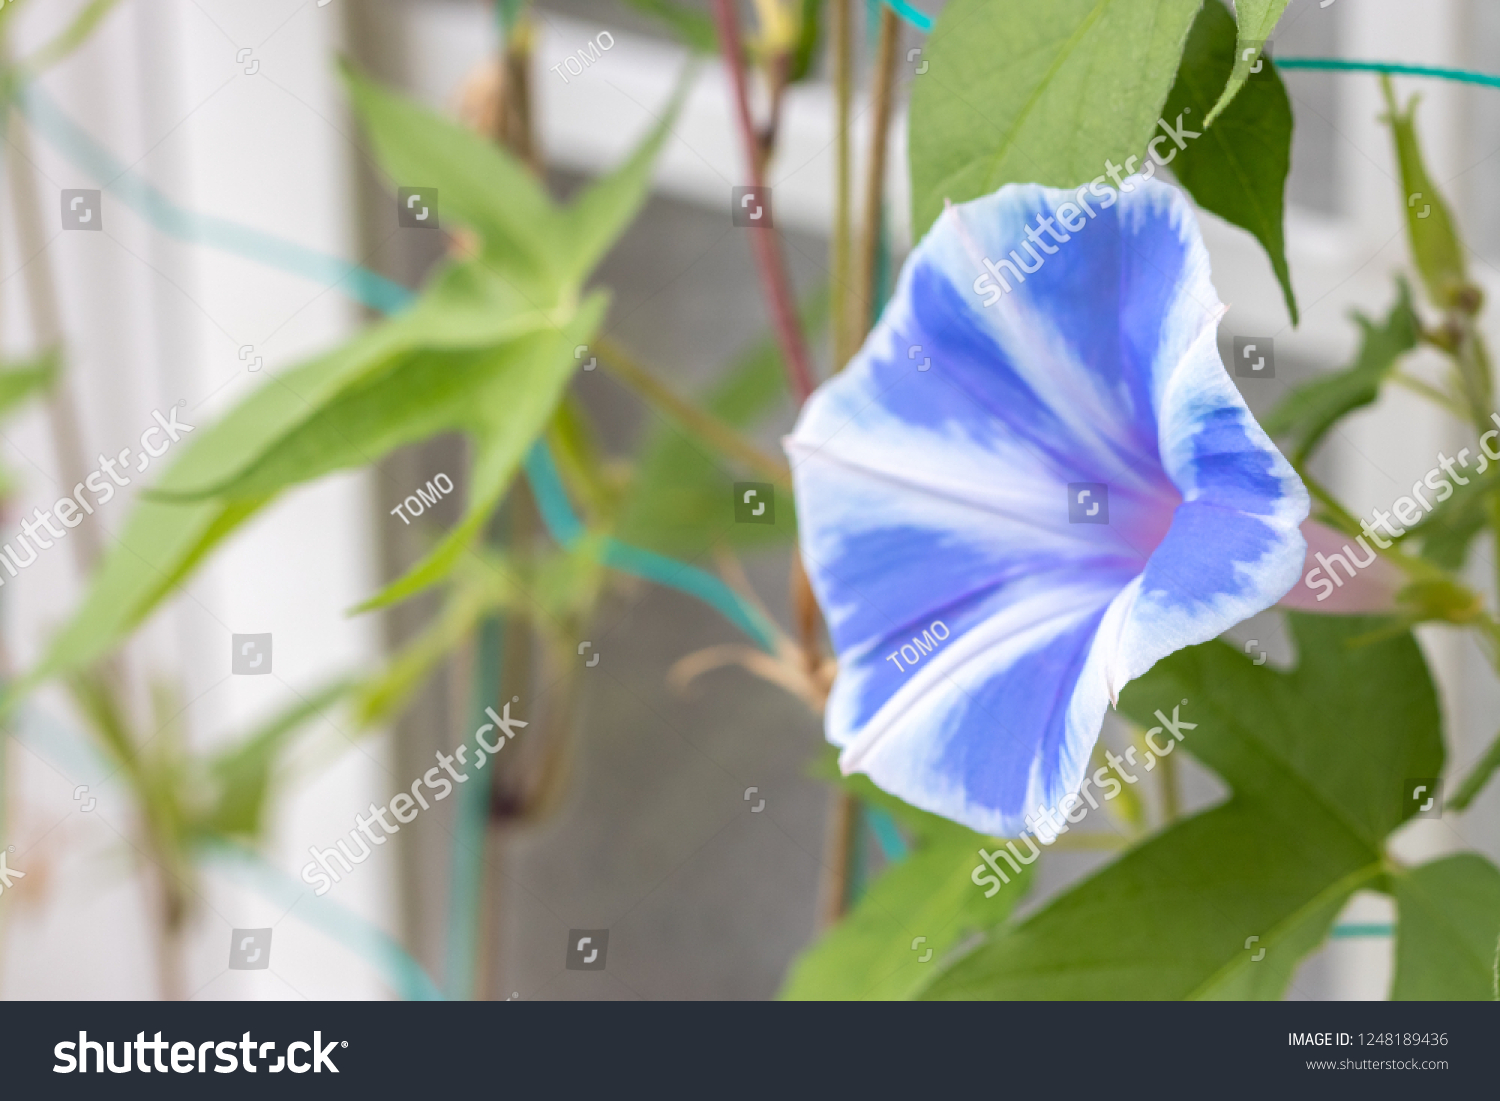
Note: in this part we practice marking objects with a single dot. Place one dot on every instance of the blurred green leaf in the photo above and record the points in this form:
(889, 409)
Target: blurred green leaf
(1435, 246)
(479, 184)
(1255, 18)
(488, 348)
(1305, 415)
(1236, 168)
(75, 34)
(1039, 93)
(1304, 828)
(510, 411)
(1448, 926)
(22, 379)
(241, 775)
(809, 35)
(875, 951)
(695, 29)
(160, 546)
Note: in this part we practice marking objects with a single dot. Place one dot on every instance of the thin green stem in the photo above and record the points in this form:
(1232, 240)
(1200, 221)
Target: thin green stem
(1477, 778)
(1432, 393)
(708, 428)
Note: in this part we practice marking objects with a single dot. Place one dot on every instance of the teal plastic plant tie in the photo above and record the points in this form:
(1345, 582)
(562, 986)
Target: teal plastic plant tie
(473, 812)
(378, 948)
(551, 499)
(1368, 929)
(566, 529)
(75, 143)
(1338, 64)
(917, 19)
(892, 845)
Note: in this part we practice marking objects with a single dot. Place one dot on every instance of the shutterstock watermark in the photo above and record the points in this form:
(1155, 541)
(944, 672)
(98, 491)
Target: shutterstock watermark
(1069, 216)
(1404, 514)
(1047, 823)
(187, 1057)
(320, 872)
(70, 511)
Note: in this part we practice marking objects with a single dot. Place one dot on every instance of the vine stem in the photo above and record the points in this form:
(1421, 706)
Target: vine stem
(867, 294)
(841, 36)
(764, 242)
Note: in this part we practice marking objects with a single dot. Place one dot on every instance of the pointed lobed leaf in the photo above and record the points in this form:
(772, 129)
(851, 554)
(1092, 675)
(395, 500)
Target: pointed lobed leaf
(1172, 918)
(1040, 93)
(1237, 167)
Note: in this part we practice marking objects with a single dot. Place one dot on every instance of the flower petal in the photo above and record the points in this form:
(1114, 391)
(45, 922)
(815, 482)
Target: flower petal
(1371, 591)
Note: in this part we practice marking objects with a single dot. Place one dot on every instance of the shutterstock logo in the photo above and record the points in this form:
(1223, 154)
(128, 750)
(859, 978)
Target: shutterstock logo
(188, 1057)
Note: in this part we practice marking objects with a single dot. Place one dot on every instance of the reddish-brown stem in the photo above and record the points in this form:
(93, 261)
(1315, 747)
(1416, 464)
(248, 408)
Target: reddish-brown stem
(764, 242)
(866, 292)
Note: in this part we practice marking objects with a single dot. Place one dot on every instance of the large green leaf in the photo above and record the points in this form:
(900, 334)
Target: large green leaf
(1317, 759)
(1040, 93)
(1256, 18)
(1448, 926)
(1305, 415)
(876, 953)
(1237, 167)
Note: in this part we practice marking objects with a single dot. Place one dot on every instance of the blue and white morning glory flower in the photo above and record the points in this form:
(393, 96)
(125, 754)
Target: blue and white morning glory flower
(1013, 502)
